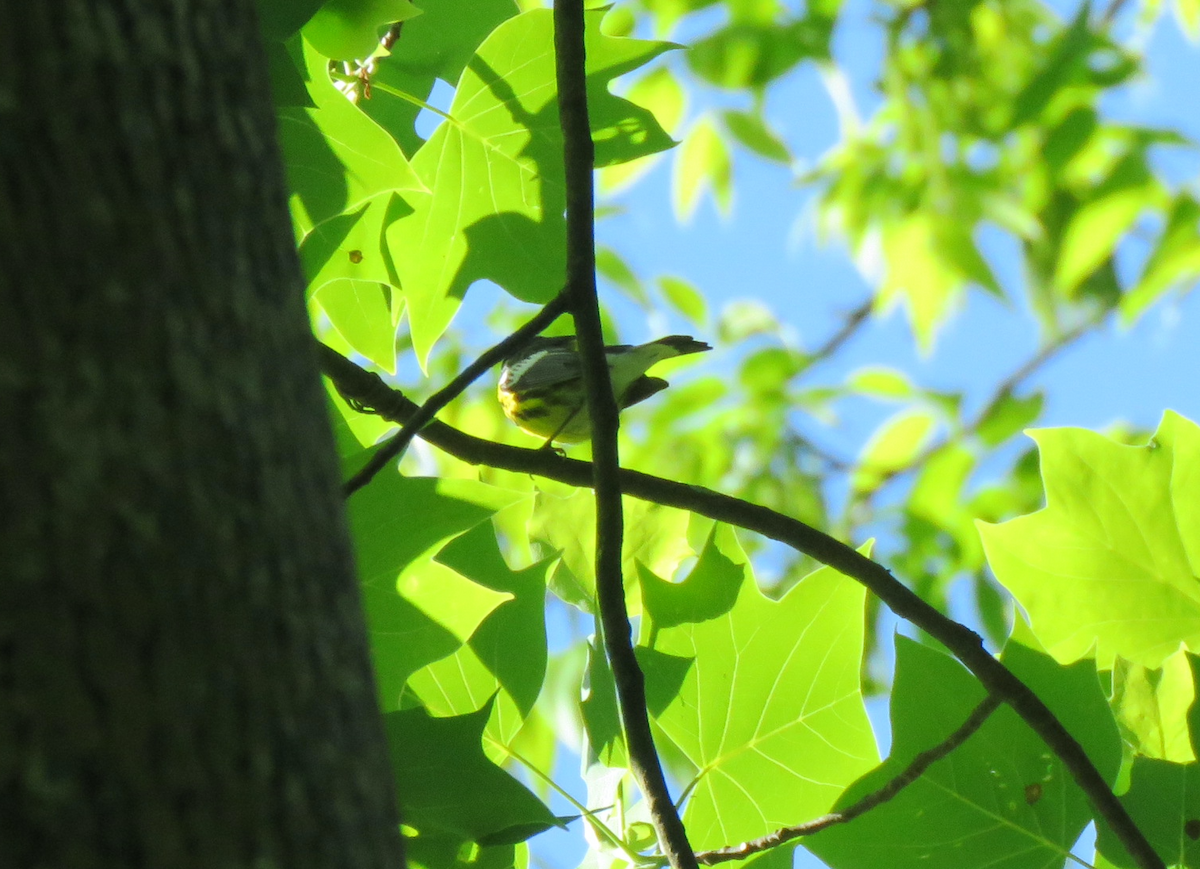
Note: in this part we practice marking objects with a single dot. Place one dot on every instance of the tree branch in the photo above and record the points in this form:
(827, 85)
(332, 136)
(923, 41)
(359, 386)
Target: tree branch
(1109, 15)
(394, 447)
(579, 162)
(854, 321)
(1009, 385)
(910, 774)
(964, 643)
(1004, 389)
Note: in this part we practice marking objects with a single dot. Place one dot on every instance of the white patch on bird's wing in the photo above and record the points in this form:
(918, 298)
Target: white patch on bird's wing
(513, 372)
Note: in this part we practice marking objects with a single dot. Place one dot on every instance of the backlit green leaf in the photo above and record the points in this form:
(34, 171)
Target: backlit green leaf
(1163, 797)
(752, 131)
(660, 93)
(999, 801)
(1007, 416)
(703, 163)
(506, 649)
(495, 171)
(894, 446)
(919, 274)
(337, 158)
(655, 536)
(1109, 567)
(350, 29)
(769, 710)
(1187, 12)
(417, 610)
(1092, 232)
(1175, 260)
(684, 298)
(881, 382)
(1151, 707)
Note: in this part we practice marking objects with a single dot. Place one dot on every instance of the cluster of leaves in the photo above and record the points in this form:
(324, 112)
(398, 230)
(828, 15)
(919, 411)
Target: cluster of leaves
(756, 700)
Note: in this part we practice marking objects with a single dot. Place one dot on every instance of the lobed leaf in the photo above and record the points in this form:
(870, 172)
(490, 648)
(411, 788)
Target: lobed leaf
(1109, 567)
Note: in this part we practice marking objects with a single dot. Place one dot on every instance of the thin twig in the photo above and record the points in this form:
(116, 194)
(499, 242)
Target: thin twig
(964, 643)
(1009, 385)
(1003, 390)
(854, 321)
(398, 443)
(1109, 15)
(911, 773)
(579, 163)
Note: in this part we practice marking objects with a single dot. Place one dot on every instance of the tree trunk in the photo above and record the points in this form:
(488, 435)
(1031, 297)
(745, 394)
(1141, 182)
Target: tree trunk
(184, 678)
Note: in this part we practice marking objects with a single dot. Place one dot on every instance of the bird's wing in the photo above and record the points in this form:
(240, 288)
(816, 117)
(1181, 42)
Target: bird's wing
(553, 367)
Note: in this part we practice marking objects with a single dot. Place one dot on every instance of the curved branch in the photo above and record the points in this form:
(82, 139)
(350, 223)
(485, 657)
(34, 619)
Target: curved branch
(393, 448)
(613, 617)
(910, 774)
(964, 643)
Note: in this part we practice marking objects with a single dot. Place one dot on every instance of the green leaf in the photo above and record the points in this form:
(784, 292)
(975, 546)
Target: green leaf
(703, 164)
(279, 19)
(506, 650)
(751, 130)
(1110, 566)
(770, 710)
(435, 45)
(495, 171)
(450, 788)
(287, 85)
(881, 382)
(660, 93)
(1068, 138)
(744, 319)
(449, 852)
(1164, 801)
(1067, 58)
(710, 590)
(605, 741)
(895, 446)
(655, 536)
(1163, 797)
(1092, 232)
(361, 312)
(919, 274)
(349, 271)
(353, 430)
(684, 298)
(1187, 13)
(336, 157)
(1007, 416)
(417, 610)
(350, 29)
(612, 267)
(397, 519)
(1151, 707)
(746, 55)
(1174, 261)
(1001, 800)
(766, 372)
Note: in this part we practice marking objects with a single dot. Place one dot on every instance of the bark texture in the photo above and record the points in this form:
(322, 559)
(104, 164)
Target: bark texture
(184, 678)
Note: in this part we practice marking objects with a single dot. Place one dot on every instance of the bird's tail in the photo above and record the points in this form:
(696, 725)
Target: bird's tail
(681, 345)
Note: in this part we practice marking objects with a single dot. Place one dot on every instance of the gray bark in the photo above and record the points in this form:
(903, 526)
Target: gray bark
(184, 677)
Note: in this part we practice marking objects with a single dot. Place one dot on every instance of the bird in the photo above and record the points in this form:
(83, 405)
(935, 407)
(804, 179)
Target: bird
(541, 384)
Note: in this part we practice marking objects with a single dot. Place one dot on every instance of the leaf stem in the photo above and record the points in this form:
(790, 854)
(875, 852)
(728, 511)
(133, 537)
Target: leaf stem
(601, 828)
